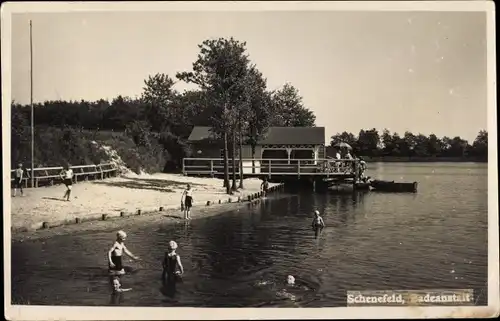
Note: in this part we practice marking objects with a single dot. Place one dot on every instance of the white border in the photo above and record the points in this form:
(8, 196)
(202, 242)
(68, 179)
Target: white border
(135, 313)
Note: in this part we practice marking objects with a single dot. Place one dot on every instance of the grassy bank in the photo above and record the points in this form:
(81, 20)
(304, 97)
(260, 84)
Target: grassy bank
(59, 146)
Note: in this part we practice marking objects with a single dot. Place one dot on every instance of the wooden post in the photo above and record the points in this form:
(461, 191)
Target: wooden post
(298, 168)
(211, 167)
(269, 169)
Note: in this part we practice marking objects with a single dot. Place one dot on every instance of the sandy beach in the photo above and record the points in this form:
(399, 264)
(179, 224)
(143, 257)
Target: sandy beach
(128, 193)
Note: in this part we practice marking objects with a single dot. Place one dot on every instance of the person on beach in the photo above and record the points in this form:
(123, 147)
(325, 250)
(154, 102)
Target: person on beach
(67, 177)
(317, 222)
(116, 252)
(187, 202)
(18, 179)
(264, 186)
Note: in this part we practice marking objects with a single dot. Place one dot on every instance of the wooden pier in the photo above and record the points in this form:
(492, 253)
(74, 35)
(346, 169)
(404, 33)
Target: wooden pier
(326, 171)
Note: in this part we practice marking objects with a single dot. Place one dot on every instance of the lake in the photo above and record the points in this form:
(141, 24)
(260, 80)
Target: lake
(434, 239)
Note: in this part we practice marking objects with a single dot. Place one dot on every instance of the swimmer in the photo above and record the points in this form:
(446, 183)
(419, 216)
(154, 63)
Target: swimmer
(115, 254)
(117, 287)
(290, 280)
(172, 266)
(317, 221)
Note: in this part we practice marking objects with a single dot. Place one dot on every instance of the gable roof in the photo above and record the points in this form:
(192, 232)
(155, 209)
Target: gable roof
(275, 135)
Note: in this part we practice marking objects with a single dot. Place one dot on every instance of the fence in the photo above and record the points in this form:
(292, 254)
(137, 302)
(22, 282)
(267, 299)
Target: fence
(260, 167)
(50, 175)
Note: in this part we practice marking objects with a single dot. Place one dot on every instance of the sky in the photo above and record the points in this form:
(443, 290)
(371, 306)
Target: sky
(419, 71)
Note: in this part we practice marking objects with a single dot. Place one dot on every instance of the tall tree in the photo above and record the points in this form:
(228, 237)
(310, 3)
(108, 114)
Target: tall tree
(159, 95)
(368, 141)
(290, 110)
(220, 70)
(480, 145)
(258, 111)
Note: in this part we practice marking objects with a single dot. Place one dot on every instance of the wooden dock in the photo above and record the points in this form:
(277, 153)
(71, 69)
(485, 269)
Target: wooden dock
(294, 169)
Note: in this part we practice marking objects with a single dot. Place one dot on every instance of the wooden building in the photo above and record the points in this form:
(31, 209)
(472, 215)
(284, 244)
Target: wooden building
(281, 144)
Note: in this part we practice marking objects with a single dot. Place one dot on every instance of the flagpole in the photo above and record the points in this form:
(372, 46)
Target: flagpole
(32, 113)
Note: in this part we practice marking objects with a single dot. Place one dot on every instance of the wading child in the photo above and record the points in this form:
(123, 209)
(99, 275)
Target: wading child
(67, 177)
(117, 286)
(187, 201)
(172, 266)
(317, 222)
(116, 252)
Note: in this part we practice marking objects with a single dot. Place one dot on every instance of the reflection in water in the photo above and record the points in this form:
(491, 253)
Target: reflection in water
(242, 258)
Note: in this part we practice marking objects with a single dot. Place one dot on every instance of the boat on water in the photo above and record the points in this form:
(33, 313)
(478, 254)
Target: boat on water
(395, 187)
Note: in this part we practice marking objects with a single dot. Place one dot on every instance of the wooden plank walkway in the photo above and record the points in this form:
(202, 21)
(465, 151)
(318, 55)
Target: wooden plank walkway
(318, 169)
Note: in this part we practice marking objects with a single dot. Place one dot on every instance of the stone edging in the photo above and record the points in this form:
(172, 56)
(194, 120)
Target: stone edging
(251, 198)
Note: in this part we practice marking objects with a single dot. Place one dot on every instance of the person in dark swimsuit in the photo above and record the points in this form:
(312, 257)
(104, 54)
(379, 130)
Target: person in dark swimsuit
(187, 202)
(172, 269)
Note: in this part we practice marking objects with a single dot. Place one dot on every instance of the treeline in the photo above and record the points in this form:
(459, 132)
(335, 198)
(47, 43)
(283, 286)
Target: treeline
(150, 132)
(371, 143)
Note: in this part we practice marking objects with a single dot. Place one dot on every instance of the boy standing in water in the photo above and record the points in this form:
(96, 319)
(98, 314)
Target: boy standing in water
(67, 177)
(116, 252)
(317, 222)
(117, 286)
(187, 201)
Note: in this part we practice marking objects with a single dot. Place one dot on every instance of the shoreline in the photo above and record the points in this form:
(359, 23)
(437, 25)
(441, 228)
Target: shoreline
(168, 217)
(121, 197)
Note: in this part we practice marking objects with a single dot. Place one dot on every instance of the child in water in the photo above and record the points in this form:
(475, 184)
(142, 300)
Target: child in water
(317, 221)
(117, 287)
(116, 252)
(172, 266)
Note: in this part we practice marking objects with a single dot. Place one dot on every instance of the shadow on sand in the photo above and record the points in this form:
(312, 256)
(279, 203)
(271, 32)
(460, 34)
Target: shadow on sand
(159, 185)
(54, 199)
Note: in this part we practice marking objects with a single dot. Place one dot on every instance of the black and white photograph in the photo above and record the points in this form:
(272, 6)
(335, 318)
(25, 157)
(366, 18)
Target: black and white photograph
(265, 156)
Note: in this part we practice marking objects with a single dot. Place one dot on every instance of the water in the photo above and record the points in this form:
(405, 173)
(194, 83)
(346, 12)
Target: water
(434, 239)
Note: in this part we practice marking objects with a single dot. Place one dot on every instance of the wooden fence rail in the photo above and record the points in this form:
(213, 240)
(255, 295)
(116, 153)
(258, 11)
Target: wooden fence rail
(81, 172)
(261, 167)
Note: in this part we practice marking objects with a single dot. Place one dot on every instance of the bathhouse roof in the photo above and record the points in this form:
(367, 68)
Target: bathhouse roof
(275, 135)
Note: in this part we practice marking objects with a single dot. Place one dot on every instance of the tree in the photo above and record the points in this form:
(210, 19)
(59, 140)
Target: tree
(158, 95)
(345, 137)
(289, 110)
(368, 142)
(434, 145)
(480, 145)
(259, 111)
(220, 70)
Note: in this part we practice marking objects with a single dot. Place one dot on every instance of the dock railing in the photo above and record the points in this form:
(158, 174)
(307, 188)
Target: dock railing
(263, 166)
(51, 175)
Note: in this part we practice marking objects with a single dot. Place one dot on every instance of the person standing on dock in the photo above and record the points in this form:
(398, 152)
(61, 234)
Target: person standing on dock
(362, 168)
(187, 201)
(18, 179)
(67, 177)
